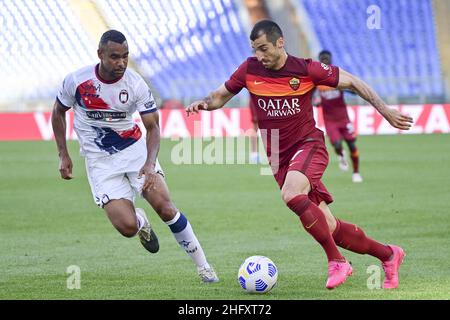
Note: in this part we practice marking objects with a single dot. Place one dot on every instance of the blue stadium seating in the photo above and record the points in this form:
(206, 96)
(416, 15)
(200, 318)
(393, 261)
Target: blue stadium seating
(185, 47)
(41, 41)
(188, 47)
(400, 59)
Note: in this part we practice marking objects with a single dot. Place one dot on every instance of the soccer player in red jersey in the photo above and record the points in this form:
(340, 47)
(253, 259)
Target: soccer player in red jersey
(281, 86)
(337, 123)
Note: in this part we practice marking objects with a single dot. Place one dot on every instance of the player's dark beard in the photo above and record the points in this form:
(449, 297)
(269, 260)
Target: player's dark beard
(275, 60)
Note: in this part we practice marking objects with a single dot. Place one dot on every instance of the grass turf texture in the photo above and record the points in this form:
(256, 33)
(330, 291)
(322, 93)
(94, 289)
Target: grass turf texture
(48, 224)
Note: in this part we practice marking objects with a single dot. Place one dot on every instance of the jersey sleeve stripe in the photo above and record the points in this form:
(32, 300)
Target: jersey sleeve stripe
(232, 90)
(62, 104)
(148, 111)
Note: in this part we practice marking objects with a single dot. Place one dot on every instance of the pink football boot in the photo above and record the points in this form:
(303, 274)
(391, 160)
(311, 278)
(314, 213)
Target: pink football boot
(338, 272)
(391, 268)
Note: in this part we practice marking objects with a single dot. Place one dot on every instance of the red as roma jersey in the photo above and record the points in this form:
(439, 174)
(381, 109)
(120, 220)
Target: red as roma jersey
(282, 99)
(333, 105)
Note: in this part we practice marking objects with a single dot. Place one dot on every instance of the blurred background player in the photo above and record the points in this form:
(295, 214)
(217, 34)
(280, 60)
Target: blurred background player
(104, 97)
(337, 122)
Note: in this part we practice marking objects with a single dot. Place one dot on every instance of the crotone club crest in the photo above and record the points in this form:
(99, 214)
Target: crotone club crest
(123, 96)
(294, 83)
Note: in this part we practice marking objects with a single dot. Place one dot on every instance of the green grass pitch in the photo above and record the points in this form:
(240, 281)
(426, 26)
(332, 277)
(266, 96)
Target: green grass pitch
(48, 224)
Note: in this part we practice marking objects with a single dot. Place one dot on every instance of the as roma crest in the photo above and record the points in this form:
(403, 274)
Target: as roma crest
(123, 96)
(294, 83)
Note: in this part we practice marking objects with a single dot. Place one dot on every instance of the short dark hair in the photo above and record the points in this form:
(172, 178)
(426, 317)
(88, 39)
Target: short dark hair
(325, 52)
(269, 28)
(112, 35)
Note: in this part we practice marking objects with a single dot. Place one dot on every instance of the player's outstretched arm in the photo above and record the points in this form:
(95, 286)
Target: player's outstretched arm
(347, 81)
(151, 123)
(59, 130)
(215, 100)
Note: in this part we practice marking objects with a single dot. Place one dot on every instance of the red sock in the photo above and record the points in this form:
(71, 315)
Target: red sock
(314, 222)
(355, 160)
(351, 237)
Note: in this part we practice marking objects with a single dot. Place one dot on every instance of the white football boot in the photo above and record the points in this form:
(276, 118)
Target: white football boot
(208, 275)
(356, 178)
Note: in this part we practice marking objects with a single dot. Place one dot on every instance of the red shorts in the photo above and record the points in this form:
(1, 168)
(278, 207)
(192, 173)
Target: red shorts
(338, 131)
(311, 159)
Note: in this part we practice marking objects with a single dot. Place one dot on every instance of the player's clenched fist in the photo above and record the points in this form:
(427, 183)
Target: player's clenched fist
(65, 167)
(196, 106)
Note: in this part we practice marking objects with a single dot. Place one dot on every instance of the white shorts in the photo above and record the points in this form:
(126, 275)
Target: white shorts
(116, 176)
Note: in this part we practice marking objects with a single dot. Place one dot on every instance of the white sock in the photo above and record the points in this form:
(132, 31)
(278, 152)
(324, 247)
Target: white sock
(183, 233)
(140, 221)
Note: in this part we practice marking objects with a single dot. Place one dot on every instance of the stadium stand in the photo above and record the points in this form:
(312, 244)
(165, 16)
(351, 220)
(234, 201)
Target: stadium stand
(41, 41)
(401, 59)
(186, 48)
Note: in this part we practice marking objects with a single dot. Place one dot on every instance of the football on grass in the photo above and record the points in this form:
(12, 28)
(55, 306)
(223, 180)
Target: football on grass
(258, 274)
